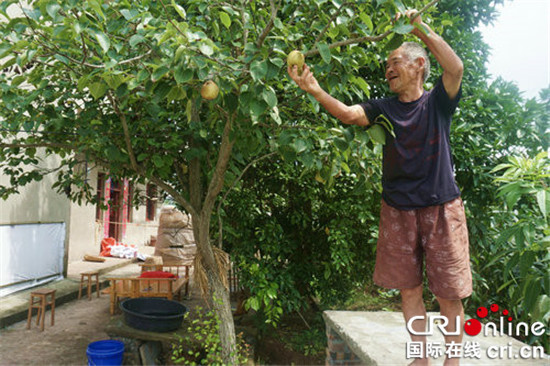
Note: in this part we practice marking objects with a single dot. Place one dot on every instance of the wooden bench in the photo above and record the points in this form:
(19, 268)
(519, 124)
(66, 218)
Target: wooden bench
(178, 269)
(134, 287)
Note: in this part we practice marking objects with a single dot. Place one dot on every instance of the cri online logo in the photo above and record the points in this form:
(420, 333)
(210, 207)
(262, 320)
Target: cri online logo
(473, 327)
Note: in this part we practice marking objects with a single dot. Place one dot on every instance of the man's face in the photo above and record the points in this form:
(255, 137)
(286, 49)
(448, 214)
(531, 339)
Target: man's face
(400, 72)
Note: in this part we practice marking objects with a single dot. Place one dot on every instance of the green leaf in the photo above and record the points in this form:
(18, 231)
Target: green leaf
(324, 51)
(176, 93)
(226, 21)
(378, 134)
(542, 309)
(399, 5)
(96, 6)
(183, 74)
(361, 83)
(127, 14)
(82, 82)
(206, 49)
(532, 292)
(541, 200)
(525, 262)
(98, 89)
(103, 41)
(270, 97)
(395, 41)
(189, 110)
(159, 73)
(136, 39)
(299, 145)
(113, 81)
(258, 69)
(4, 49)
(257, 107)
(179, 52)
(341, 144)
(253, 303)
(179, 9)
(53, 9)
(157, 160)
(18, 80)
(367, 20)
(403, 28)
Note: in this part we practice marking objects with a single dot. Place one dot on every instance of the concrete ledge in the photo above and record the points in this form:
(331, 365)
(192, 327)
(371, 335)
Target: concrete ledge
(380, 338)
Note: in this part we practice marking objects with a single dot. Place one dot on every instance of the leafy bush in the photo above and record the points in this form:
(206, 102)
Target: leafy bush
(204, 338)
(524, 239)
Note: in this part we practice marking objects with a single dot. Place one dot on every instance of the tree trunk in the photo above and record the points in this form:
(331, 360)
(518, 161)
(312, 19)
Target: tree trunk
(222, 308)
(203, 206)
(219, 293)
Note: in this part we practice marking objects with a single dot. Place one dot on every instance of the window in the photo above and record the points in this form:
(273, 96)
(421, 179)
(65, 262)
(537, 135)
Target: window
(151, 192)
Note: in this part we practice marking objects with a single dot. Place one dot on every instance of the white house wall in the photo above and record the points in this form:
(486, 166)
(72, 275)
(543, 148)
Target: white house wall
(36, 202)
(86, 233)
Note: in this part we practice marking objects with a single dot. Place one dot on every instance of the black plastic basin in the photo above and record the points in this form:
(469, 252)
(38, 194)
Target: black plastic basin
(153, 314)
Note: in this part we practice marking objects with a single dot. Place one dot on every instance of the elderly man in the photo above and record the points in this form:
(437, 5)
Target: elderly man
(422, 215)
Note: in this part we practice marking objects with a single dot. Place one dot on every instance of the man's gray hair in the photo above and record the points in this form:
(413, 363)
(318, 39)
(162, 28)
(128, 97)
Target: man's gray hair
(413, 51)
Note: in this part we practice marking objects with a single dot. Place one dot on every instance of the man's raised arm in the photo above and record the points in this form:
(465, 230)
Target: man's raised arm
(444, 54)
(351, 115)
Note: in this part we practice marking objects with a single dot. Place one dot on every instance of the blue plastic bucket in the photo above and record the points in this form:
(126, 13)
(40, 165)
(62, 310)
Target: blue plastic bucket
(107, 352)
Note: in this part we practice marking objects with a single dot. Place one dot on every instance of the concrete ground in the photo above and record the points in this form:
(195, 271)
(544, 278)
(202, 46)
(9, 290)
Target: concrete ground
(380, 338)
(77, 322)
(13, 308)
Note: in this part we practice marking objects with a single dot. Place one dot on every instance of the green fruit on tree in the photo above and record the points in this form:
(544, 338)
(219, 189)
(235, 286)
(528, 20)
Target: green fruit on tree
(296, 58)
(210, 90)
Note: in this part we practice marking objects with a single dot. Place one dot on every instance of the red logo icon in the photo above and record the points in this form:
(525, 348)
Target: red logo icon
(472, 327)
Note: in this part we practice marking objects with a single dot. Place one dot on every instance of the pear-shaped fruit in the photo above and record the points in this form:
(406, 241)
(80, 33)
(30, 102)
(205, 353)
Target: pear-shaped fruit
(296, 58)
(209, 90)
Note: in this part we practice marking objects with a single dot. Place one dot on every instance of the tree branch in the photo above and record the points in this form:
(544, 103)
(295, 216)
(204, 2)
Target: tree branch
(85, 49)
(243, 19)
(167, 188)
(38, 144)
(127, 140)
(269, 25)
(175, 194)
(334, 16)
(377, 38)
(216, 183)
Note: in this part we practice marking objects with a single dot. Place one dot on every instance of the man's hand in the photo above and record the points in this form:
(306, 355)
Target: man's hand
(306, 81)
(418, 20)
(351, 115)
(444, 54)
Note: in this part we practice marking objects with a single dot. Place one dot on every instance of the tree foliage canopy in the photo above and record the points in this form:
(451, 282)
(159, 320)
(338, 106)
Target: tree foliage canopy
(117, 83)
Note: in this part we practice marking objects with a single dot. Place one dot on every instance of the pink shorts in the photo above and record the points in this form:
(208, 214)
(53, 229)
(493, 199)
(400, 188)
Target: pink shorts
(436, 233)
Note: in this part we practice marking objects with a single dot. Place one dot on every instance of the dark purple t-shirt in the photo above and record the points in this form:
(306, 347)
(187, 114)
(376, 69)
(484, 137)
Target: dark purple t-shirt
(417, 164)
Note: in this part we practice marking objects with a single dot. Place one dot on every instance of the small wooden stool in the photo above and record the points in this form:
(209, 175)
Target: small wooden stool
(41, 303)
(89, 276)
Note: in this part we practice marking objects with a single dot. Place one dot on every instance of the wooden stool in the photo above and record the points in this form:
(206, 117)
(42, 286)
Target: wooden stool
(41, 303)
(89, 276)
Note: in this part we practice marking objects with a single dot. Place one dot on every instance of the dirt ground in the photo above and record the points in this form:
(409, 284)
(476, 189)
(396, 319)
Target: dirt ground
(77, 323)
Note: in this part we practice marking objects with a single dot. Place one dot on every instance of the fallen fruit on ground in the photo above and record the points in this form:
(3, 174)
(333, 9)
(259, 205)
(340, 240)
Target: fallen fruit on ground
(210, 90)
(296, 58)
